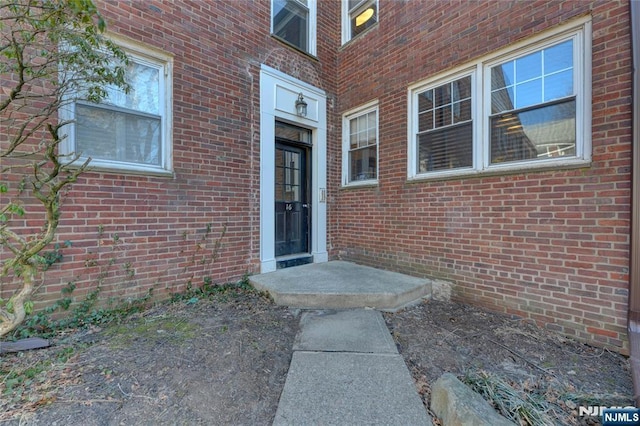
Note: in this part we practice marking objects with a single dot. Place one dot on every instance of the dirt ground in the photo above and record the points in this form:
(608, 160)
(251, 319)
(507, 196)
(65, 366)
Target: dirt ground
(225, 361)
(558, 373)
(209, 362)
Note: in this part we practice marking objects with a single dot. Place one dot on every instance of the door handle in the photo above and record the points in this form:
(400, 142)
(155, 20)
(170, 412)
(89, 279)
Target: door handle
(306, 206)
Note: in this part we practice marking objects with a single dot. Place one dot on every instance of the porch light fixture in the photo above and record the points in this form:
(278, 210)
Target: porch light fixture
(301, 106)
(364, 17)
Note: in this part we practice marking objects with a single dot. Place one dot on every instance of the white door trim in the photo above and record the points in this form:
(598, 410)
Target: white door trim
(278, 94)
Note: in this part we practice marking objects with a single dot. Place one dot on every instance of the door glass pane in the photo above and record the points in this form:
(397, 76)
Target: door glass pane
(288, 176)
(280, 173)
(293, 133)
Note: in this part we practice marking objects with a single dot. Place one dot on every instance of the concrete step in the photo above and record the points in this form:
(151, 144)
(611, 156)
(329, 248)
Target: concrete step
(357, 330)
(341, 285)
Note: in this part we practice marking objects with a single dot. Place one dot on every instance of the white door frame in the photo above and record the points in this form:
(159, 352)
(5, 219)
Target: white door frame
(278, 95)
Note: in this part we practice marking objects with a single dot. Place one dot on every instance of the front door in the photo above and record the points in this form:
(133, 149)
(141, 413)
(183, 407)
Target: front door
(292, 195)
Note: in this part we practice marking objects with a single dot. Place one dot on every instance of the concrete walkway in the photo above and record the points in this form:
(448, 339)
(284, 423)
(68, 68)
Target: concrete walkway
(346, 370)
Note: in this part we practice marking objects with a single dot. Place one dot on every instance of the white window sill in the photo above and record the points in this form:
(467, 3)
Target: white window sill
(361, 184)
(502, 169)
(125, 168)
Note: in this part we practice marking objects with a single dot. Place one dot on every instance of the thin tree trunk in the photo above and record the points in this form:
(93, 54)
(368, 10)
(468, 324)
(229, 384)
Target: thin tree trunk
(11, 320)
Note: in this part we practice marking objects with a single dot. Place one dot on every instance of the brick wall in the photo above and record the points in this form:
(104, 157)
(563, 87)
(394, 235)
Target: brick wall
(131, 233)
(547, 245)
(551, 246)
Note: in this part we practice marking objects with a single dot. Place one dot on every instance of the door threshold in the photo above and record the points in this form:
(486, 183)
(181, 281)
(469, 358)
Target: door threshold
(293, 260)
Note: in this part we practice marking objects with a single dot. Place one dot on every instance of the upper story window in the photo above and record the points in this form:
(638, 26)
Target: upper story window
(360, 145)
(526, 107)
(128, 131)
(357, 16)
(294, 21)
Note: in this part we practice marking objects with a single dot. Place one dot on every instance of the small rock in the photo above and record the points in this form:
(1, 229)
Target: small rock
(457, 405)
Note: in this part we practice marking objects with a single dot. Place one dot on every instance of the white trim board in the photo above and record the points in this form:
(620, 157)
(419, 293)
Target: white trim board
(278, 93)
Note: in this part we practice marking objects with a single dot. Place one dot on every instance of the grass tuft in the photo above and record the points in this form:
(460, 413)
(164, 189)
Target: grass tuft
(536, 403)
(525, 408)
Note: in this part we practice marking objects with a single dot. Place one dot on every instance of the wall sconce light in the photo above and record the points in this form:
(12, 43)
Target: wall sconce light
(301, 106)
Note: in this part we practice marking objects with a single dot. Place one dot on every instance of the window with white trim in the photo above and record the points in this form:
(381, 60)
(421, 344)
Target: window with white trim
(360, 145)
(294, 22)
(533, 105)
(445, 129)
(128, 131)
(357, 16)
(531, 110)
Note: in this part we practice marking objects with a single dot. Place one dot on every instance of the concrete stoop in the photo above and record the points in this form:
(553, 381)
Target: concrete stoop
(341, 285)
(346, 370)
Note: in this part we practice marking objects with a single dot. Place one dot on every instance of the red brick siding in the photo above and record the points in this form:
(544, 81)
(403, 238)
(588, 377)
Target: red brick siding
(167, 227)
(550, 245)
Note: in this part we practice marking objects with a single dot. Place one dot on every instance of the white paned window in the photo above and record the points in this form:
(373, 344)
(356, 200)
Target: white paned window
(357, 16)
(360, 145)
(128, 131)
(445, 129)
(522, 108)
(294, 21)
(533, 106)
